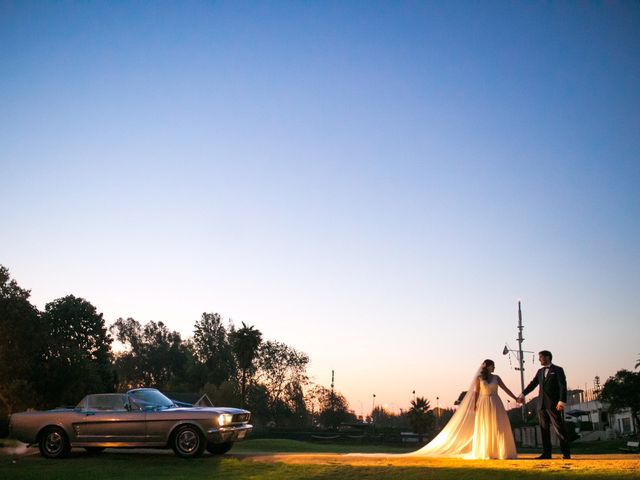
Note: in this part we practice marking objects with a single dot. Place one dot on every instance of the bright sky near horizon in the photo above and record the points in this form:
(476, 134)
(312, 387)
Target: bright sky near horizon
(373, 183)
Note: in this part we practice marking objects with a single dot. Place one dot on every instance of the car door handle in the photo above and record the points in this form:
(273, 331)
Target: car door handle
(90, 413)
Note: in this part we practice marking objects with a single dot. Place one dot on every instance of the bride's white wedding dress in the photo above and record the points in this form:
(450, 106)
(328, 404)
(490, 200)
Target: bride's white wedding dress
(480, 432)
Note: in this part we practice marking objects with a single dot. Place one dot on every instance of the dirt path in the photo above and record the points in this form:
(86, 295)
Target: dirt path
(583, 463)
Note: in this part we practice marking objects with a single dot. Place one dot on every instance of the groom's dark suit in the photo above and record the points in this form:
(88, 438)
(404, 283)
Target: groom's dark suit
(553, 389)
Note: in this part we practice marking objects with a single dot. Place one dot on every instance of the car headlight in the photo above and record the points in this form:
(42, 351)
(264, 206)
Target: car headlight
(225, 419)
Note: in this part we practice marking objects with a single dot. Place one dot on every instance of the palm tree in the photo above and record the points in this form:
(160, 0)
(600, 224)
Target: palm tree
(420, 415)
(245, 342)
(638, 362)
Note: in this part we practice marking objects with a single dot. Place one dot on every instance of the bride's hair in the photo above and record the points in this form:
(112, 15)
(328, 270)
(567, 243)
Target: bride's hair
(484, 370)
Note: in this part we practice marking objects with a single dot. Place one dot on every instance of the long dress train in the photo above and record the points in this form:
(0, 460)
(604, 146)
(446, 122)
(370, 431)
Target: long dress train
(482, 432)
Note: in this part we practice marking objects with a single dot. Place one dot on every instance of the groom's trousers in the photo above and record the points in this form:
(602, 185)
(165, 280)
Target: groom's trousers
(550, 417)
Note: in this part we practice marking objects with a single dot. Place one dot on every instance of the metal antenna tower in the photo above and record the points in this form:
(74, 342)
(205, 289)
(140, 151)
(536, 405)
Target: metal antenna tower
(519, 353)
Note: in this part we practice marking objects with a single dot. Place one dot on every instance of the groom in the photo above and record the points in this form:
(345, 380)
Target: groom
(551, 401)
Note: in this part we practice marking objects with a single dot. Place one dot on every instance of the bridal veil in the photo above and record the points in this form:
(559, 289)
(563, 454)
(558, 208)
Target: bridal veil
(456, 438)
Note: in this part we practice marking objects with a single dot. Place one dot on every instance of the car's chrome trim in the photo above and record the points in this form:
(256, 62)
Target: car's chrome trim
(120, 444)
(230, 428)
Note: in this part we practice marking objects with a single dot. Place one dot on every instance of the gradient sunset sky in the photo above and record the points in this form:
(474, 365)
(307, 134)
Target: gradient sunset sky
(376, 184)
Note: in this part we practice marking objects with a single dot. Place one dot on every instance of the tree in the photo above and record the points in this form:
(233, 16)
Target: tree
(297, 414)
(637, 362)
(383, 418)
(330, 407)
(258, 403)
(420, 415)
(227, 393)
(154, 356)
(622, 391)
(22, 340)
(244, 343)
(78, 355)
(283, 371)
(212, 349)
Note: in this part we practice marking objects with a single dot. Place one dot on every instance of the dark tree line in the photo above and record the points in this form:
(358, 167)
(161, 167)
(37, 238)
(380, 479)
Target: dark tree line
(621, 392)
(54, 357)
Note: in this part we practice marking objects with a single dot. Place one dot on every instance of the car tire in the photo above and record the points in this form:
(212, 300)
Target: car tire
(94, 450)
(53, 443)
(187, 442)
(219, 448)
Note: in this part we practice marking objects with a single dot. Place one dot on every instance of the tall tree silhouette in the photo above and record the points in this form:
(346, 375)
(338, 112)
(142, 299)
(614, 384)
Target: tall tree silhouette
(419, 415)
(245, 343)
(78, 354)
(622, 391)
(212, 348)
(282, 370)
(154, 356)
(22, 340)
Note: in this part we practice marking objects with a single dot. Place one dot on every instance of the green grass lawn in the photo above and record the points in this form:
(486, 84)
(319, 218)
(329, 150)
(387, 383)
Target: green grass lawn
(240, 464)
(295, 446)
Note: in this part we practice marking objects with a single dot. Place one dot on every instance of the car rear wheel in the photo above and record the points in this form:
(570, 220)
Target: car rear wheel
(219, 448)
(54, 443)
(187, 442)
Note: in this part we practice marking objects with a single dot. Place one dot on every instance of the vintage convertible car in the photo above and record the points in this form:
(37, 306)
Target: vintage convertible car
(142, 417)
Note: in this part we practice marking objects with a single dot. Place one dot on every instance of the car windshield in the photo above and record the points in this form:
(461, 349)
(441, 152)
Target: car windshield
(151, 399)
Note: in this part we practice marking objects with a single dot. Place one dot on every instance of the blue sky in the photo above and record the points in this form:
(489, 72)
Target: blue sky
(376, 184)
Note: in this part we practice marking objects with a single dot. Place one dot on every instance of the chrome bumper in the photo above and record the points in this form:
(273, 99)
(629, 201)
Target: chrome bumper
(228, 434)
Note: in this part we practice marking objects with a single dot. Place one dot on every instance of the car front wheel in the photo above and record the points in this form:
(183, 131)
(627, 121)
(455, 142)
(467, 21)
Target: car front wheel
(219, 448)
(54, 443)
(188, 442)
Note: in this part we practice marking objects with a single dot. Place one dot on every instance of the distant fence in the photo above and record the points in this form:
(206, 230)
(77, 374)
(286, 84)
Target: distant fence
(532, 437)
(346, 437)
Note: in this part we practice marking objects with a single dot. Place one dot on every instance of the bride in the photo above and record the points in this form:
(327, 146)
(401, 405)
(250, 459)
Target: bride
(480, 428)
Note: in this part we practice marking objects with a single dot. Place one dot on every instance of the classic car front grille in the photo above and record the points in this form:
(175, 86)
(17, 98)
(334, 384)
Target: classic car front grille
(241, 417)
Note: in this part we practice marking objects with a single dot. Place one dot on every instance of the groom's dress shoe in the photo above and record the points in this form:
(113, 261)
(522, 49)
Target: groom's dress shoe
(566, 456)
(544, 457)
